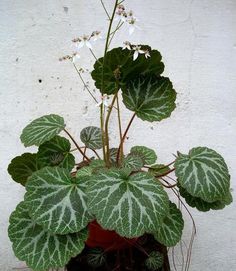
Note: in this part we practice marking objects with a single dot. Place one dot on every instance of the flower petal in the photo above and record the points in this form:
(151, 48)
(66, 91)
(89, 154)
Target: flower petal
(135, 56)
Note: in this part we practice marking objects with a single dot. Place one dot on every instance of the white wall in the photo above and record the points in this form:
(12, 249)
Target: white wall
(198, 42)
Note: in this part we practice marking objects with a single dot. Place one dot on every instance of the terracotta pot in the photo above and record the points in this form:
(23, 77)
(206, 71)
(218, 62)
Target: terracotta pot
(108, 240)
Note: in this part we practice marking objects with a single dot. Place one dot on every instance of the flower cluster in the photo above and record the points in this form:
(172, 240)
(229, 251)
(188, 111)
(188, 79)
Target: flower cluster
(126, 17)
(137, 50)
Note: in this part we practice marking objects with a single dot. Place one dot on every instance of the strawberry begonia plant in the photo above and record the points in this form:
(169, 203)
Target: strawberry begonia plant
(123, 192)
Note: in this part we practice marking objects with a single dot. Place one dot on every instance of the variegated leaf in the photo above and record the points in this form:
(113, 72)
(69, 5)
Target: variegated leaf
(42, 129)
(204, 174)
(151, 98)
(56, 201)
(170, 232)
(92, 137)
(56, 152)
(130, 205)
(40, 249)
(148, 156)
(202, 205)
(133, 162)
(22, 167)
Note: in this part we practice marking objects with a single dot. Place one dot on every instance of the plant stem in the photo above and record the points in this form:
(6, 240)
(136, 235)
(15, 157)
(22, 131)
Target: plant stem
(119, 123)
(104, 7)
(166, 173)
(113, 32)
(77, 146)
(85, 85)
(102, 87)
(93, 54)
(123, 138)
(106, 130)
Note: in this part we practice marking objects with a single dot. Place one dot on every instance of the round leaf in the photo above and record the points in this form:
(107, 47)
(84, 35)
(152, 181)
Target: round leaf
(22, 167)
(147, 155)
(56, 201)
(170, 232)
(92, 137)
(41, 250)
(42, 130)
(204, 174)
(119, 67)
(133, 162)
(151, 98)
(130, 205)
(56, 152)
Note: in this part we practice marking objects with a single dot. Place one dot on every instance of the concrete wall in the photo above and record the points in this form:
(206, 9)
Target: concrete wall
(197, 39)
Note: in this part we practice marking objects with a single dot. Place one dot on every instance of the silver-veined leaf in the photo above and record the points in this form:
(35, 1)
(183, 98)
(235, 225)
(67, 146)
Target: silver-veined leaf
(42, 129)
(40, 249)
(92, 137)
(148, 156)
(203, 173)
(133, 162)
(56, 201)
(151, 98)
(170, 232)
(202, 205)
(154, 261)
(56, 152)
(130, 205)
(22, 167)
(84, 172)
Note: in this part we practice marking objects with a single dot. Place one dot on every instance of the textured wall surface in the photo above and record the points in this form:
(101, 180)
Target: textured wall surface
(197, 39)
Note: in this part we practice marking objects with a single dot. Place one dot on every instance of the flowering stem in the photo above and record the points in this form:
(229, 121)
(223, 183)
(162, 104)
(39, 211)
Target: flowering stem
(77, 146)
(119, 123)
(123, 138)
(85, 85)
(104, 7)
(106, 130)
(113, 32)
(93, 54)
(103, 134)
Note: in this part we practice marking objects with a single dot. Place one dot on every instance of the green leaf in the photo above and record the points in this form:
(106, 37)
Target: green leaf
(119, 67)
(202, 205)
(113, 154)
(147, 155)
(56, 201)
(22, 167)
(158, 169)
(151, 98)
(170, 232)
(56, 152)
(133, 162)
(92, 137)
(204, 174)
(42, 130)
(96, 257)
(130, 205)
(41, 250)
(154, 261)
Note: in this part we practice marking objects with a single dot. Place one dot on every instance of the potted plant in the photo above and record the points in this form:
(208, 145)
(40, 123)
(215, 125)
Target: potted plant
(110, 210)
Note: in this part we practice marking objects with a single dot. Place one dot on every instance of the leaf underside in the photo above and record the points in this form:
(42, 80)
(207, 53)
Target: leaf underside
(41, 250)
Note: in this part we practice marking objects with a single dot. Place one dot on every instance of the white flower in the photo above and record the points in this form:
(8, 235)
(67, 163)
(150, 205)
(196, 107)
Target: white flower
(84, 41)
(147, 54)
(127, 45)
(75, 57)
(103, 101)
(96, 35)
(137, 51)
(121, 16)
(132, 25)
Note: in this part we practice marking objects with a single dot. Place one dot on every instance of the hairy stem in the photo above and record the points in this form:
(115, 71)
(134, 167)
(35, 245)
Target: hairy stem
(119, 123)
(85, 85)
(123, 139)
(77, 146)
(106, 130)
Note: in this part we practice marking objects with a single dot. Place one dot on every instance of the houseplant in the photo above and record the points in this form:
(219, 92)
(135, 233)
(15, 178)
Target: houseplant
(123, 192)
